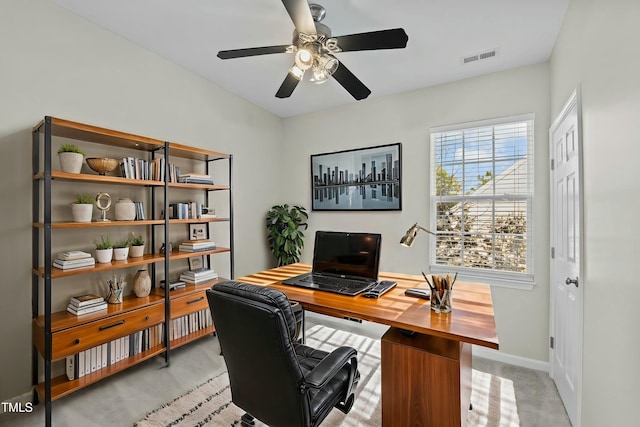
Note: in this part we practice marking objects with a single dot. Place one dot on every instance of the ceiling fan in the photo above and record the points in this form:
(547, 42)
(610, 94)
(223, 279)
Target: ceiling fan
(314, 49)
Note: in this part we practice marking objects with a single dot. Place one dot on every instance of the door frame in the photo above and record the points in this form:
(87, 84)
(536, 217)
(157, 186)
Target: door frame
(575, 99)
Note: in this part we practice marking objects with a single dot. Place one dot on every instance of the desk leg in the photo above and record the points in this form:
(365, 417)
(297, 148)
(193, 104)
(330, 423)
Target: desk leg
(426, 380)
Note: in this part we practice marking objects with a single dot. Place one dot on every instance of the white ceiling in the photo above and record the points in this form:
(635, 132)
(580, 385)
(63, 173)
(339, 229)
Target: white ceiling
(441, 32)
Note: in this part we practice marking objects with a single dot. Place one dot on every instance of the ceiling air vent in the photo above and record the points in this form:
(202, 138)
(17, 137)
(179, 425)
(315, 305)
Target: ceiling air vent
(480, 56)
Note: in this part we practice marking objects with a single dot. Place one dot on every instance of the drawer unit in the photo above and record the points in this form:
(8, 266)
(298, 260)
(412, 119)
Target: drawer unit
(83, 337)
(189, 304)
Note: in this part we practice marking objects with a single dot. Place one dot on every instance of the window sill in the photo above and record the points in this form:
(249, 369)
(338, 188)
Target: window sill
(493, 280)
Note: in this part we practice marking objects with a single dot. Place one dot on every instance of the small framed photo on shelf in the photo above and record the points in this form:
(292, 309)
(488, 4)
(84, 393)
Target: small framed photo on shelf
(198, 263)
(198, 231)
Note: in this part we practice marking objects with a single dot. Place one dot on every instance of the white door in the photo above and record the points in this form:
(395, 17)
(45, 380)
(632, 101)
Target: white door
(566, 242)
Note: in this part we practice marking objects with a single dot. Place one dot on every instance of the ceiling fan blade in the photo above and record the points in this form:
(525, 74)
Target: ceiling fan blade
(252, 51)
(300, 15)
(384, 39)
(287, 86)
(351, 83)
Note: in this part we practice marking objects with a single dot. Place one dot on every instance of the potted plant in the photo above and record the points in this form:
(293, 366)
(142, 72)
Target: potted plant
(283, 232)
(137, 246)
(104, 249)
(82, 208)
(121, 250)
(71, 158)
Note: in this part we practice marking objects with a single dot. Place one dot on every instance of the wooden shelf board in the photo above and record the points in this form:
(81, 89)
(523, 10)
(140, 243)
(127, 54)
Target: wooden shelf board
(105, 179)
(99, 135)
(63, 224)
(99, 266)
(189, 289)
(194, 153)
(180, 255)
(61, 386)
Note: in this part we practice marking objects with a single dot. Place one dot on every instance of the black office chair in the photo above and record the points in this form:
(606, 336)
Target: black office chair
(273, 377)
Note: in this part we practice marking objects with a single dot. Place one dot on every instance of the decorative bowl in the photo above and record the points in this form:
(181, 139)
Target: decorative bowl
(102, 165)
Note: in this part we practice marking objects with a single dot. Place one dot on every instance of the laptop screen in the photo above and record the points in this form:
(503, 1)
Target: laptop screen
(349, 255)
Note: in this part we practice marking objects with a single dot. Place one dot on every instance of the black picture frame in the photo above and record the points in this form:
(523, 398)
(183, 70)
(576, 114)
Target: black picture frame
(198, 231)
(358, 179)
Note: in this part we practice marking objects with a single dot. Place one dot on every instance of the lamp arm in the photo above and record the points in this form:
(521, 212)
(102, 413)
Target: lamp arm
(427, 231)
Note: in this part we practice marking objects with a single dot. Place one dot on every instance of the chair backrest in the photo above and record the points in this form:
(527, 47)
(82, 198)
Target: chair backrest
(255, 327)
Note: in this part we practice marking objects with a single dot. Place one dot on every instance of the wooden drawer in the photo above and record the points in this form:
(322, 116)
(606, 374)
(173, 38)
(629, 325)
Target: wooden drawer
(189, 304)
(73, 340)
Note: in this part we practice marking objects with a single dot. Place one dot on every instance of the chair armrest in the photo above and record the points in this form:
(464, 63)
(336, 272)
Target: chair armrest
(329, 366)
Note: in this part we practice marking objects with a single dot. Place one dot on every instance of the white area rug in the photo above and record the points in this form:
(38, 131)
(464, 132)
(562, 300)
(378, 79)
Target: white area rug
(209, 404)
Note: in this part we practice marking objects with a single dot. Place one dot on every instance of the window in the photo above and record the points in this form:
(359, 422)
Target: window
(481, 198)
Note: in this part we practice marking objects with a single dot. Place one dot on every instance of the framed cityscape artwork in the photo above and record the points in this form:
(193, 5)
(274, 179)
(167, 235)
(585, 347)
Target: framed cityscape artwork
(364, 179)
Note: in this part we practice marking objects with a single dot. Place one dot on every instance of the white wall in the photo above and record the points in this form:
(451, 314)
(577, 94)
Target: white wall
(55, 63)
(596, 50)
(522, 316)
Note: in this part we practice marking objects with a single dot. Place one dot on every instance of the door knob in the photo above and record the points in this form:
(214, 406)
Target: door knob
(569, 281)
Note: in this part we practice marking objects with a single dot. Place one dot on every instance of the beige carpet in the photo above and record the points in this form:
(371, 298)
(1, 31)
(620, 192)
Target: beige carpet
(209, 404)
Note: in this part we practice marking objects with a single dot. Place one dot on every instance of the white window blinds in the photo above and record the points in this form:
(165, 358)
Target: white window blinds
(481, 193)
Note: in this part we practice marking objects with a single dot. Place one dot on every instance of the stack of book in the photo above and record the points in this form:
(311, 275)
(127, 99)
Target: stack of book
(195, 178)
(74, 259)
(198, 276)
(197, 245)
(85, 304)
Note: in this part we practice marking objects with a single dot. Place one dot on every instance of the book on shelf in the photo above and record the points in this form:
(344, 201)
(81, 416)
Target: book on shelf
(85, 300)
(73, 255)
(70, 265)
(200, 277)
(191, 249)
(198, 244)
(200, 272)
(79, 311)
(195, 178)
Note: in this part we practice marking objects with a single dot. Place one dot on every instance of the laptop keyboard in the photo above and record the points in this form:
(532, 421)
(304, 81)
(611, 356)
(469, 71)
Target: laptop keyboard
(335, 283)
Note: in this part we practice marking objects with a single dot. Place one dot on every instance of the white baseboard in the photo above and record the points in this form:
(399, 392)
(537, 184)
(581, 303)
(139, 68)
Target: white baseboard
(511, 359)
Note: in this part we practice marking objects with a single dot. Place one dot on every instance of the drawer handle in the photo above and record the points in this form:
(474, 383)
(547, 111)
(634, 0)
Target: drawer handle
(146, 318)
(77, 340)
(195, 300)
(102, 328)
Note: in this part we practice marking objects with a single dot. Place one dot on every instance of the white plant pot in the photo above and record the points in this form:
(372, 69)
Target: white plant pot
(70, 162)
(81, 212)
(104, 255)
(136, 251)
(120, 254)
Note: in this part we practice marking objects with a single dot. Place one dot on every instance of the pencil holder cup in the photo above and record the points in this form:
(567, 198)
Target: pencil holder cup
(441, 290)
(441, 301)
(115, 296)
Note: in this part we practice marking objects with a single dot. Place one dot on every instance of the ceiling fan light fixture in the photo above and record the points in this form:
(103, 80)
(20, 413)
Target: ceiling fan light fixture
(304, 58)
(296, 72)
(319, 76)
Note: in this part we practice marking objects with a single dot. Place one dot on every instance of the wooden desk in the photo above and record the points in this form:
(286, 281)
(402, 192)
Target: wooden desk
(426, 377)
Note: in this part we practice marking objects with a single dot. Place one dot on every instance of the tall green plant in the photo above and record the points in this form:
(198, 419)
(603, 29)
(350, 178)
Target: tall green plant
(283, 232)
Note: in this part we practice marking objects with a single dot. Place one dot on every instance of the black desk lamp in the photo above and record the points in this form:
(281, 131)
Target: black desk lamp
(410, 235)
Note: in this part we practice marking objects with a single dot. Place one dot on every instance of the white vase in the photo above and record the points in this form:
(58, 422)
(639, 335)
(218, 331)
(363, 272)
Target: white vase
(104, 255)
(70, 162)
(142, 284)
(136, 251)
(125, 210)
(120, 254)
(81, 212)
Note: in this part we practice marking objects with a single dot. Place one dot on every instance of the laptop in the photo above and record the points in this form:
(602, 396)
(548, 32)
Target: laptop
(344, 263)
